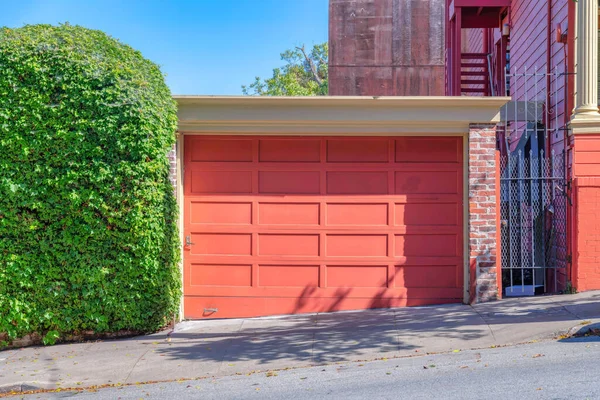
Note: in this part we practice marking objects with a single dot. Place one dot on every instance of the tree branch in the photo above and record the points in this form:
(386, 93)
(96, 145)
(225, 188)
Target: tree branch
(311, 64)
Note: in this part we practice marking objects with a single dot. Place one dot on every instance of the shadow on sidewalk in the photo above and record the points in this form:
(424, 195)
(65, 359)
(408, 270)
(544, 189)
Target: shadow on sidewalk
(331, 337)
(326, 337)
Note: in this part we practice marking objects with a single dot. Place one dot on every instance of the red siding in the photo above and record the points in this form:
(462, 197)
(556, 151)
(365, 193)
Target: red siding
(528, 48)
(473, 42)
(586, 241)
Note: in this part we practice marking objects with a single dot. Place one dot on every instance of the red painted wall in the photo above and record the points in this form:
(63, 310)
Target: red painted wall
(386, 47)
(586, 221)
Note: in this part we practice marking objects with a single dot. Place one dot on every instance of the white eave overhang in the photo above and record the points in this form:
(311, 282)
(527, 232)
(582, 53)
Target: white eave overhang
(334, 115)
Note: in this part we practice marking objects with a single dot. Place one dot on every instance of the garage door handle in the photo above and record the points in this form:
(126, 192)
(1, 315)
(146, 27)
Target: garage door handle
(188, 241)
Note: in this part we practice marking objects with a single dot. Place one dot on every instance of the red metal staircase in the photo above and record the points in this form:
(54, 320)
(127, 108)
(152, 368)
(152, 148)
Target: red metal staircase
(474, 74)
(469, 73)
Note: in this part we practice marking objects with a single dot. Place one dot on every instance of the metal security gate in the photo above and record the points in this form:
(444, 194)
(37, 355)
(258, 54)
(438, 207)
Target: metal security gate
(533, 189)
(533, 223)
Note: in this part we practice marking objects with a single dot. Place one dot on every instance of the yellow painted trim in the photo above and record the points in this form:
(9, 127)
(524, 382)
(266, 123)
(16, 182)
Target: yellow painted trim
(585, 125)
(180, 203)
(420, 101)
(332, 115)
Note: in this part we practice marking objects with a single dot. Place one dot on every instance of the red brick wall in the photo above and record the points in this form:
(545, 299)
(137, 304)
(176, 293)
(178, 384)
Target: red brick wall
(482, 213)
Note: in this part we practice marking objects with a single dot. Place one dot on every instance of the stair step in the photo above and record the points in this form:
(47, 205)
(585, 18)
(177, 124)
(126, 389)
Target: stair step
(471, 73)
(473, 82)
(473, 65)
(473, 55)
(469, 90)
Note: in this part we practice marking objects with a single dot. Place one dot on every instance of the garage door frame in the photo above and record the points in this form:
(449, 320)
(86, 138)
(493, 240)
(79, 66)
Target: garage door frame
(337, 116)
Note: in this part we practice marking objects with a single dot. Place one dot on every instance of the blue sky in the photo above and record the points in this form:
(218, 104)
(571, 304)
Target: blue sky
(204, 46)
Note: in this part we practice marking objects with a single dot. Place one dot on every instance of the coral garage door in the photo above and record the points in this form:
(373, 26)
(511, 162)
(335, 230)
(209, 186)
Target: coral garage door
(279, 225)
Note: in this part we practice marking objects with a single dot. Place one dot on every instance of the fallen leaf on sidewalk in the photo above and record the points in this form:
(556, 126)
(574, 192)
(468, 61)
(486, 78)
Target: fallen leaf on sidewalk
(456, 351)
(538, 355)
(304, 377)
(271, 373)
(388, 373)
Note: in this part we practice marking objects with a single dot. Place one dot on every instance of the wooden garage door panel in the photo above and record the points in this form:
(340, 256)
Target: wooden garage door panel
(205, 212)
(427, 182)
(304, 276)
(424, 214)
(290, 150)
(357, 245)
(220, 275)
(294, 214)
(352, 150)
(289, 182)
(220, 149)
(428, 150)
(357, 182)
(283, 225)
(213, 182)
(288, 245)
(357, 214)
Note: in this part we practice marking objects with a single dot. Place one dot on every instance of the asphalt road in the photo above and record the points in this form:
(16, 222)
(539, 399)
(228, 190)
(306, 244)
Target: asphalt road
(568, 369)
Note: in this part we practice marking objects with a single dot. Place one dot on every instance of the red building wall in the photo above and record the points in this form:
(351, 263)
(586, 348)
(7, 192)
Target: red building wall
(533, 44)
(532, 34)
(386, 47)
(586, 212)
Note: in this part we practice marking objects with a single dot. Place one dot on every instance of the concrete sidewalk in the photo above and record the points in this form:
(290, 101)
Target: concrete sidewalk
(226, 347)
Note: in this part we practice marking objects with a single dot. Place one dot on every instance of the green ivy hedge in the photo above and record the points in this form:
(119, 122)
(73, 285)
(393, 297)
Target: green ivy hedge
(88, 218)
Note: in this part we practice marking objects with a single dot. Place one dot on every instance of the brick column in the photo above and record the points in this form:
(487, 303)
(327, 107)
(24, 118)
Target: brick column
(483, 280)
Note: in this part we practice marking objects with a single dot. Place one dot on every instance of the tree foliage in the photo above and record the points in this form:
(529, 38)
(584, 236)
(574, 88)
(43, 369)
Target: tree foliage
(304, 74)
(88, 232)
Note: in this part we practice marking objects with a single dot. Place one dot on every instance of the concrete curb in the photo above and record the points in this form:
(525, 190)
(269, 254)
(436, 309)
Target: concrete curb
(21, 387)
(581, 330)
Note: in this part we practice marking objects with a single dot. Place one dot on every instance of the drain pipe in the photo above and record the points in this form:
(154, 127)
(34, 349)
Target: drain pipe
(548, 69)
